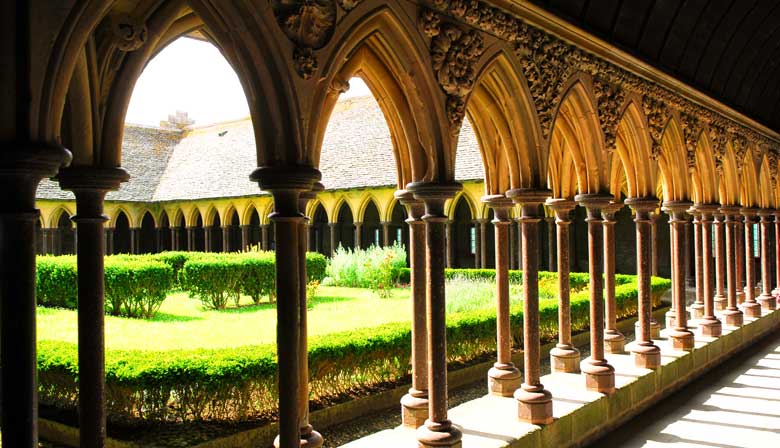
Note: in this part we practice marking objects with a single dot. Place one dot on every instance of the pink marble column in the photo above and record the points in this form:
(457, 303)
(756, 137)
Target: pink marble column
(550, 221)
(739, 251)
(564, 357)
(644, 351)
(654, 242)
(732, 315)
(751, 308)
(766, 299)
(614, 341)
(709, 324)
(776, 291)
(534, 402)
(414, 405)
(483, 223)
(719, 229)
(503, 378)
(599, 374)
(438, 430)
(680, 335)
(697, 307)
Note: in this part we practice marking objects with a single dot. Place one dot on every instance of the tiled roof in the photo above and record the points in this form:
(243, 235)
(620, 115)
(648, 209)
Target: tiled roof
(215, 161)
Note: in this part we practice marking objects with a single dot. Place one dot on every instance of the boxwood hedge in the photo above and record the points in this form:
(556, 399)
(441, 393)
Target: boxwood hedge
(240, 383)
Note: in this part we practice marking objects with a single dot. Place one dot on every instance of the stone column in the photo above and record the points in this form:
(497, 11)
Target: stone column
(438, 430)
(207, 239)
(533, 400)
(483, 223)
(709, 324)
(719, 229)
(309, 437)
(246, 232)
(286, 185)
(766, 299)
(358, 235)
(175, 237)
(191, 239)
(682, 338)
(614, 341)
(414, 405)
(512, 245)
(449, 241)
(550, 243)
(22, 166)
(739, 251)
(503, 378)
(644, 351)
(333, 242)
(599, 374)
(225, 238)
(90, 186)
(732, 314)
(135, 240)
(777, 252)
(160, 239)
(385, 233)
(654, 242)
(750, 307)
(564, 357)
(697, 307)
(477, 243)
(687, 279)
(264, 243)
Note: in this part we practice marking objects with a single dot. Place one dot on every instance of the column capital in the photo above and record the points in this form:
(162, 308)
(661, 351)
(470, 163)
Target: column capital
(330, 224)
(766, 214)
(730, 212)
(562, 208)
(749, 212)
(594, 203)
(89, 178)
(501, 206)
(415, 208)
(286, 183)
(646, 204)
(434, 195)
(529, 199)
(677, 210)
(706, 210)
(608, 212)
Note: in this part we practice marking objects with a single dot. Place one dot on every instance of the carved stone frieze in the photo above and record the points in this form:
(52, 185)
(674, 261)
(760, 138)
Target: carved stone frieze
(772, 158)
(657, 115)
(718, 140)
(691, 133)
(309, 24)
(129, 32)
(740, 145)
(454, 54)
(609, 97)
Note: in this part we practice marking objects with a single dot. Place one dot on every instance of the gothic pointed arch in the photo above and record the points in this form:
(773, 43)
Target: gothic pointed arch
(704, 178)
(729, 187)
(766, 192)
(749, 194)
(634, 147)
(672, 162)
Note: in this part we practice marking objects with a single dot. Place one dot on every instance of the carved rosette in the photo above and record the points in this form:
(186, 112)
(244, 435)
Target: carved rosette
(609, 98)
(454, 54)
(691, 132)
(657, 115)
(309, 24)
(129, 32)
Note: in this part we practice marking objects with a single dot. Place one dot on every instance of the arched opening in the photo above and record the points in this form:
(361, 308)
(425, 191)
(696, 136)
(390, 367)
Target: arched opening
(215, 234)
(181, 234)
(490, 242)
(165, 236)
(39, 249)
(319, 236)
(122, 234)
(344, 228)
(463, 236)
(233, 229)
(198, 234)
(399, 231)
(254, 228)
(67, 235)
(371, 233)
(148, 235)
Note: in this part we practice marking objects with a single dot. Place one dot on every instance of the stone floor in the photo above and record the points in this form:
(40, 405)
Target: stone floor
(736, 405)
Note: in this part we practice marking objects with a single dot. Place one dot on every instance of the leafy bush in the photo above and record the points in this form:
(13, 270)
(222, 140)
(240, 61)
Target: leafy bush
(577, 280)
(240, 383)
(135, 286)
(376, 268)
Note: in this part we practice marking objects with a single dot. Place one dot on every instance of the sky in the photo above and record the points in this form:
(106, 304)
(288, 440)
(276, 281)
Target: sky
(193, 76)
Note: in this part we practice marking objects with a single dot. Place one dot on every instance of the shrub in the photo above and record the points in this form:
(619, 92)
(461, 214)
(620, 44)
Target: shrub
(240, 383)
(56, 281)
(376, 268)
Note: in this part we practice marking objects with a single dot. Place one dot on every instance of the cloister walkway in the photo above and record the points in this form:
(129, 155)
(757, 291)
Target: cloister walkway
(737, 405)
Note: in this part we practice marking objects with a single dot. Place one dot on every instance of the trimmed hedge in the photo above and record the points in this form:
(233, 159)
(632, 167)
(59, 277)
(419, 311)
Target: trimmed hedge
(240, 383)
(576, 279)
(134, 286)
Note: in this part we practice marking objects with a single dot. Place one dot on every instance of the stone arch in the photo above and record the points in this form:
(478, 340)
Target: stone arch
(319, 236)
(505, 122)
(249, 212)
(164, 241)
(766, 193)
(128, 216)
(672, 162)
(148, 234)
(576, 144)
(122, 240)
(452, 205)
(704, 178)
(341, 202)
(729, 187)
(462, 233)
(344, 226)
(381, 46)
(232, 225)
(749, 195)
(211, 216)
(55, 215)
(634, 147)
(371, 231)
(398, 229)
(66, 234)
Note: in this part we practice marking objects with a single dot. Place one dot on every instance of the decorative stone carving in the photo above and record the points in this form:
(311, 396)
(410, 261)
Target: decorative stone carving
(309, 24)
(454, 53)
(691, 132)
(740, 145)
(130, 32)
(348, 5)
(718, 139)
(657, 115)
(609, 98)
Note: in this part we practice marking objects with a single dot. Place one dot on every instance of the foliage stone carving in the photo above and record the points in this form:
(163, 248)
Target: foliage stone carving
(691, 133)
(718, 139)
(129, 32)
(309, 24)
(454, 53)
(609, 98)
(657, 116)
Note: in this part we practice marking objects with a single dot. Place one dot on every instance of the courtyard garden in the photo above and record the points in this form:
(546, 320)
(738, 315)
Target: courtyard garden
(191, 336)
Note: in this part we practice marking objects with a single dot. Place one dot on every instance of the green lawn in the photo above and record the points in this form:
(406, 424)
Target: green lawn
(183, 324)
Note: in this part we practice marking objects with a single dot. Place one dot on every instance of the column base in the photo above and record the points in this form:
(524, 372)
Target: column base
(740, 296)
(710, 326)
(768, 302)
(599, 376)
(614, 342)
(534, 405)
(655, 329)
(751, 309)
(682, 339)
(565, 358)
(697, 310)
(720, 303)
(309, 438)
(414, 409)
(733, 318)
(671, 318)
(439, 434)
(503, 380)
(646, 355)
